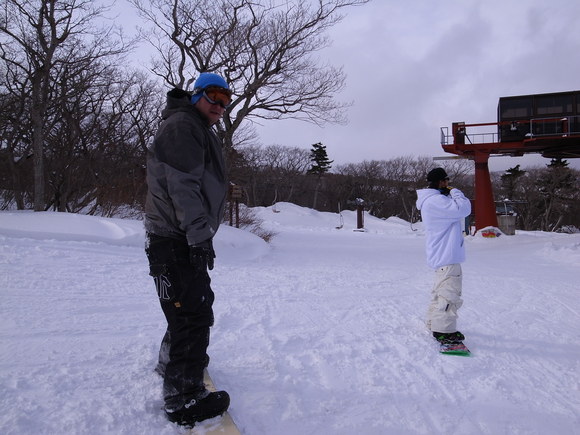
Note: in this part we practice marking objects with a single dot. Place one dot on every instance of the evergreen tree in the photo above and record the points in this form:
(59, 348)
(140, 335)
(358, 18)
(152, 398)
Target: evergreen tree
(557, 189)
(320, 166)
(509, 181)
(319, 158)
(558, 163)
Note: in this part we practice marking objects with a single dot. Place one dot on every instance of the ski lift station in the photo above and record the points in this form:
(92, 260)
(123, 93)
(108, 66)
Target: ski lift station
(546, 124)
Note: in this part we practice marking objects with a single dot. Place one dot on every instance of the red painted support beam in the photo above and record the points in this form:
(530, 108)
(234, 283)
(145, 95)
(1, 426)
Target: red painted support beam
(484, 204)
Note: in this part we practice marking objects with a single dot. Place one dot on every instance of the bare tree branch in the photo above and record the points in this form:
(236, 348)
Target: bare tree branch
(40, 39)
(266, 50)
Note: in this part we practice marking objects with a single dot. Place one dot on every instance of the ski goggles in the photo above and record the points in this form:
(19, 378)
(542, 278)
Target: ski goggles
(220, 96)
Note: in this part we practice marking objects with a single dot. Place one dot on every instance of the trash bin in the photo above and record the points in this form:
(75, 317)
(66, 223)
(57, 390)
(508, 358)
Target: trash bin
(507, 224)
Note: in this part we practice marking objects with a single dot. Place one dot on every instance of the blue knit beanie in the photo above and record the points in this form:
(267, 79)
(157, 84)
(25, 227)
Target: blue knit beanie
(205, 80)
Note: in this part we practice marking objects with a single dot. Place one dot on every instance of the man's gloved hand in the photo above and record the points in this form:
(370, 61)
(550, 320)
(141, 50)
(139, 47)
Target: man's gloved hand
(201, 255)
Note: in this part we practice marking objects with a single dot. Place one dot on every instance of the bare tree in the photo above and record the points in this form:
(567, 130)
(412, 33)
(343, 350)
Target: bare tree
(264, 49)
(401, 180)
(96, 149)
(272, 173)
(39, 37)
(388, 186)
(15, 145)
(365, 180)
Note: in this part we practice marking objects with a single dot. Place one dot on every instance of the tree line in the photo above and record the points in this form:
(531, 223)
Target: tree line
(70, 106)
(543, 198)
(75, 120)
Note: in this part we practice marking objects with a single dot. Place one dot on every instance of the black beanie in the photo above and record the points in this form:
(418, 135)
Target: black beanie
(436, 175)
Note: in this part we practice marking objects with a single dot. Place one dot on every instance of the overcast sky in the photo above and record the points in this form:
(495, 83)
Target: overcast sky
(414, 66)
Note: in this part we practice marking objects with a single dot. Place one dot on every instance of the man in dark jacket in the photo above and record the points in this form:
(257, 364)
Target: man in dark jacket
(184, 207)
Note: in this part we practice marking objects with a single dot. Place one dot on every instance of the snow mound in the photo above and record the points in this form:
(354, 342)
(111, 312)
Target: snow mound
(568, 253)
(286, 216)
(71, 227)
(229, 242)
(233, 244)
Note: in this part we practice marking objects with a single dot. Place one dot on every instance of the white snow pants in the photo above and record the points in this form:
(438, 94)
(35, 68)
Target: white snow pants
(445, 299)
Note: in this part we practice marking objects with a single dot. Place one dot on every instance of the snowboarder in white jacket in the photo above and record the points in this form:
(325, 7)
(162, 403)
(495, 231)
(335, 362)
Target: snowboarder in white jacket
(442, 211)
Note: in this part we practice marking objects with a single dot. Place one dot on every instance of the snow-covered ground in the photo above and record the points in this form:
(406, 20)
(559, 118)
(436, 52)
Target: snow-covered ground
(320, 332)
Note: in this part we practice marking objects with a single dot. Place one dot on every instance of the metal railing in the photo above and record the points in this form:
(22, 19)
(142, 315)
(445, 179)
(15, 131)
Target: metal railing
(445, 136)
(555, 126)
(470, 138)
(538, 127)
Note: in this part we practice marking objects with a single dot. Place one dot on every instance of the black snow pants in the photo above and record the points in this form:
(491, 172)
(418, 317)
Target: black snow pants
(186, 300)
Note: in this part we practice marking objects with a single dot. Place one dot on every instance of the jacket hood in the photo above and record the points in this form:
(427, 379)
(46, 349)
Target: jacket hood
(423, 194)
(177, 100)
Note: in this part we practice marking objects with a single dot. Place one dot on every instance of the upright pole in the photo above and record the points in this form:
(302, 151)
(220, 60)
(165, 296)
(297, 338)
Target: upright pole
(237, 213)
(360, 214)
(484, 204)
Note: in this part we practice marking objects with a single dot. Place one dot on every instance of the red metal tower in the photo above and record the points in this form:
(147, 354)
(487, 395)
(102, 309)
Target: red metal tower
(521, 129)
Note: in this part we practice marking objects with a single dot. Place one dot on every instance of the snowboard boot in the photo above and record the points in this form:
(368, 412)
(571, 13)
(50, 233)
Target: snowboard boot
(449, 337)
(200, 407)
(161, 365)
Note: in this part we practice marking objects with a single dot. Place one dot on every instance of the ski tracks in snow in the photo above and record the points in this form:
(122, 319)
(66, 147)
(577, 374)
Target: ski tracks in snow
(336, 338)
(335, 342)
